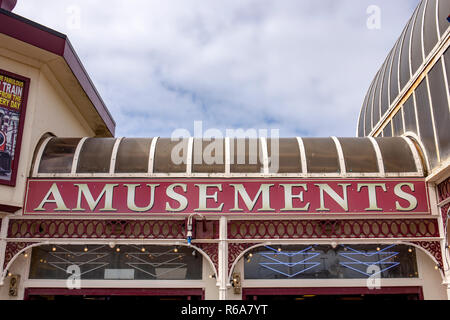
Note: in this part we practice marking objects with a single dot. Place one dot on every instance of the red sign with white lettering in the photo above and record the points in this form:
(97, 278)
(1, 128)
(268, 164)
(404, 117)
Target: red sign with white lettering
(146, 197)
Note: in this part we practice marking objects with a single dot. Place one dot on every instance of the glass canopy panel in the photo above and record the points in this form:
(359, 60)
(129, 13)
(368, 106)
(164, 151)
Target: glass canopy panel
(444, 9)
(430, 32)
(132, 155)
(95, 155)
(368, 117)
(376, 97)
(170, 156)
(321, 155)
(387, 131)
(208, 156)
(246, 156)
(394, 83)
(397, 155)
(439, 99)
(426, 121)
(359, 155)
(405, 72)
(385, 90)
(284, 155)
(397, 124)
(416, 45)
(410, 115)
(58, 155)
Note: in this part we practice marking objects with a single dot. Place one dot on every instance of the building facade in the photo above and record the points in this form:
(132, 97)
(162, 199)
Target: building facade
(86, 214)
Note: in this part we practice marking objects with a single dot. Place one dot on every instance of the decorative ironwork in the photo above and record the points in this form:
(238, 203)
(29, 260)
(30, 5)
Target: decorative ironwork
(97, 229)
(433, 247)
(444, 190)
(313, 229)
(444, 193)
(12, 248)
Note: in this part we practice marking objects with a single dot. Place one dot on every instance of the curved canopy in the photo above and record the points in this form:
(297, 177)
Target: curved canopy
(293, 157)
(419, 37)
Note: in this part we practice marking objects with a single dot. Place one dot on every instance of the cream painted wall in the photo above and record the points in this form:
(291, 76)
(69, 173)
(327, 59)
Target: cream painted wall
(433, 289)
(48, 110)
(19, 267)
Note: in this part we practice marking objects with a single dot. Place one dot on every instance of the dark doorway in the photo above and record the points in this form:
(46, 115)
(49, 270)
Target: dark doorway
(333, 294)
(119, 295)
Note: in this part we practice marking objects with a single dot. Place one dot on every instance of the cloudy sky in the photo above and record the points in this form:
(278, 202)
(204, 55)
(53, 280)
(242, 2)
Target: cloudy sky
(301, 66)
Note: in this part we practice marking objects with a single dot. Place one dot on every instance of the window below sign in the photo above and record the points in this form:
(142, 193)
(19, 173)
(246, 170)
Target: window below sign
(326, 262)
(128, 262)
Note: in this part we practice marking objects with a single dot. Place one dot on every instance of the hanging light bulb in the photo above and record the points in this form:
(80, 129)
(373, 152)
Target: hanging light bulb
(54, 249)
(175, 250)
(142, 249)
(85, 249)
(118, 249)
(25, 254)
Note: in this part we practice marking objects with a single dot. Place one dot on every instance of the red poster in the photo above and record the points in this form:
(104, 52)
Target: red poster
(13, 100)
(145, 197)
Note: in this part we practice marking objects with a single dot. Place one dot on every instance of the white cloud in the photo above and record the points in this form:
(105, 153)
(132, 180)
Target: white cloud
(301, 66)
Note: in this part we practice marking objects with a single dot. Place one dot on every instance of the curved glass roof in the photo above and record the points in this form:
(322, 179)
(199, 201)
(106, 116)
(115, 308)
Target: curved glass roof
(293, 157)
(420, 35)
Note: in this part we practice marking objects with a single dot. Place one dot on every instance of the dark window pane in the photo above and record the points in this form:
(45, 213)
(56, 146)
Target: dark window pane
(368, 114)
(441, 111)
(430, 33)
(394, 85)
(165, 161)
(416, 45)
(410, 115)
(246, 156)
(132, 155)
(405, 74)
(397, 155)
(325, 262)
(321, 155)
(385, 92)
(425, 122)
(376, 99)
(58, 155)
(284, 158)
(397, 124)
(95, 155)
(209, 156)
(359, 155)
(387, 131)
(444, 11)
